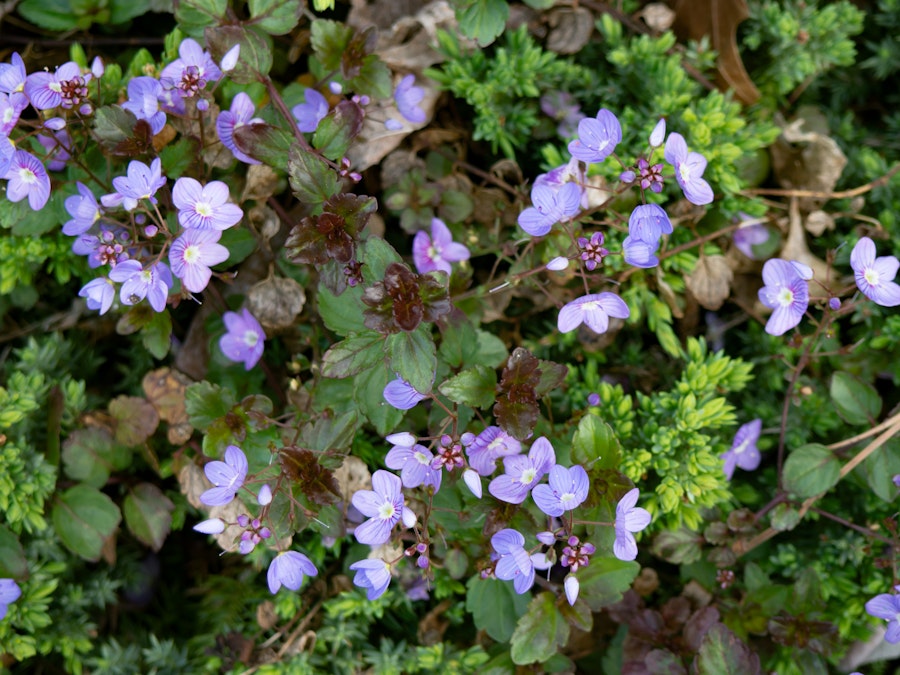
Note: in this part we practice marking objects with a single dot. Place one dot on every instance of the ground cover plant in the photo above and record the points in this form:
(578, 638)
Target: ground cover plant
(470, 336)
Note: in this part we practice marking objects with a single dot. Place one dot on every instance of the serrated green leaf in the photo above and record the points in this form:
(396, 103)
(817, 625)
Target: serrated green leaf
(595, 444)
(857, 402)
(881, 467)
(275, 17)
(605, 580)
(256, 51)
(376, 254)
(84, 518)
(540, 632)
(414, 357)
(13, 564)
(312, 180)
(112, 125)
(356, 353)
(329, 39)
(723, 653)
(784, 517)
(342, 314)
(373, 79)
(368, 392)
(195, 15)
(811, 470)
(148, 514)
(338, 129)
(270, 145)
(156, 334)
(206, 402)
(476, 387)
(177, 157)
(91, 455)
(484, 20)
(328, 433)
(495, 606)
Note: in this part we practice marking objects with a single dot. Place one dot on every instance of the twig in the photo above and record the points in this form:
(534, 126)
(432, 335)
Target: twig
(843, 194)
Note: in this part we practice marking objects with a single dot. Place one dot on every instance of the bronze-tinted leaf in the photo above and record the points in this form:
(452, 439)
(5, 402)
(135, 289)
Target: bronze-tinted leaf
(315, 481)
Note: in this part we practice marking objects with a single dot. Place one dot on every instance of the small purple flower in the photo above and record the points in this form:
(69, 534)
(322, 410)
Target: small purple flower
(593, 399)
(141, 182)
(27, 178)
(629, 518)
(143, 102)
(227, 476)
(84, 210)
(593, 310)
(57, 147)
(786, 293)
(373, 575)
(400, 394)
(138, 283)
(887, 606)
(204, 206)
(743, 452)
(649, 222)
(384, 506)
(437, 251)
(413, 461)
(597, 138)
(9, 593)
(193, 253)
(513, 561)
(244, 340)
(592, 251)
(570, 172)
(264, 496)
(566, 490)
(408, 98)
(875, 276)
(11, 108)
(473, 482)
(211, 526)
(13, 77)
(561, 106)
(550, 207)
(640, 253)
(309, 114)
(287, 569)
(240, 114)
(64, 87)
(100, 294)
(191, 72)
(689, 168)
(489, 446)
(523, 473)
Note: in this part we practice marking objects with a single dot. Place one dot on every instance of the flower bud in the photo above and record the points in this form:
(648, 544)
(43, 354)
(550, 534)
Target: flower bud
(658, 135)
(572, 586)
(558, 264)
(55, 124)
(835, 304)
(264, 498)
(229, 61)
(335, 87)
(473, 482)
(211, 526)
(546, 538)
(97, 67)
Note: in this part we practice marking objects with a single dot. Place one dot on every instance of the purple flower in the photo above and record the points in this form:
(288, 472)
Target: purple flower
(523, 473)
(689, 168)
(408, 98)
(13, 77)
(27, 178)
(143, 102)
(875, 276)
(287, 569)
(750, 235)
(413, 461)
(513, 561)
(100, 294)
(57, 147)
(594, 310)
(437, 251)
(141, 182)
(561, 107)
(309, 114)
(786, 292)
(629, 518)
(190, 73)
(566, 490)
(11, 108)
(400, 394)
(640, 253)
(204, 206)
(9, 593)
(597, 138)
(84, 210)
(887, 606)
(227, 476)
(489, 446)
(373, 575)
(244, 340)
(649, 222)
(193, 253)
(570, 172)
(65, 87)
(473, 482)
(743, 452)
(240, 114)
(550, 207)
(138, 283)
(383, 506)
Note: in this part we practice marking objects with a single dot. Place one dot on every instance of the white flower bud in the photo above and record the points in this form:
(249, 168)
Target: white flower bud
(658, 135)
(572, 586)
(229, 61)
(211, 526)
(558, 264)
(264, 498)
(473, 482)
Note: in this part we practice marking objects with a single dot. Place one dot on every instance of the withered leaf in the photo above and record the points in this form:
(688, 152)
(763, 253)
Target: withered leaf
(165, 389)
(315, 481)
(517, 408)
(136, 419)
(710, 282)
(276, 302)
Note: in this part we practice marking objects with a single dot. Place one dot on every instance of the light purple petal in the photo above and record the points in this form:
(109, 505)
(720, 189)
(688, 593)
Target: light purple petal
(547, 501)
(863, 254)
(884, 606)
(625, 547)
(374, 531)
(367, 502)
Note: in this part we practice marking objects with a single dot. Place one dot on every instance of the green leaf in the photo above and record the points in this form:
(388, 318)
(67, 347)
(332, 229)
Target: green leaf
(605, 580)
(811, 470)
(881, 467)
(484, 20)
(476, 387)
(495, 606)
(275, 17)
(723, 653)
(84, 518)
(136, 419)
(13, 564)
(857, 402)
(373, 79)
(148, 514)
(256, 51)
(338, 129)
(414, 357)
(55, 15)
(329, 39)
(35, 223)
(328, 433)
(195, 15)
(356, 353)
(113, 125)
(595, 444)
(270, 145)
(91, 455)
(312, 180)
(177, 157)
(540, 632)
(368, 392)
(376, 255)
(464, 346)
(156, 334)
(342, 313)
(552, 376)
(121, 11)
(784, 517)
(206, 402)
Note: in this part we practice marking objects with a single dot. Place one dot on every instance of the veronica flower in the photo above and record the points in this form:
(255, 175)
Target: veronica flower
(649, 222)
(138, 283)
(743, 452)
(57, 147)
(593, 310)
(244, 340)
(13, 78)
(227, 476)
(658, 135)
(570, 172)
(748, 236)
(27, 178)
(489, 446)
(384, 506)
(561, 106)
(193, 253)
(9, 593)
(401, 394)
(240, 114)
(64, 87)
(875, 276)
(10, 110)
(592, 251)
(373, 575)
(309, 114)
(100, 294)
(84, 210)
(566, 490)
(143, 102)
(597, 138)
(413, 461)
(513, 561)
(408, 98)
(287, 569)
(786, 292)
(629, 518)
(887, 606)
(141, 182)
(523, 473)
(437, 251)
(191, 71)
(689, 168)
(204, 206)
(550, 207)
(640, 253)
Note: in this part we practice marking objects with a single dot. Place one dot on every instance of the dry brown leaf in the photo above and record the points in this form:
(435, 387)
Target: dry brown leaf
(165, 390)
(136, 419)
(262, 182)
(710, 282)
(658, 17)
(193, 483)
(817, 222)
(805, 158)
(719, 20)
(570, 29)
(351, 476)
(276, 303)
(796, 248)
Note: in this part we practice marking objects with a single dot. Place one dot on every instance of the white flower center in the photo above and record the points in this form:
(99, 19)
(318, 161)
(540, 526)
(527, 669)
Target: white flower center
(434, 252)
(192, 254)
(27, 176)
(146, 276)
(251, 337)
(527, 476)
(7, 115)
(204, 209)
(55, 86)
(421, 458)
(743, 446)
(872, 276)
(566, 497)
(785, 297)
(386, 511)
(685, 172)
